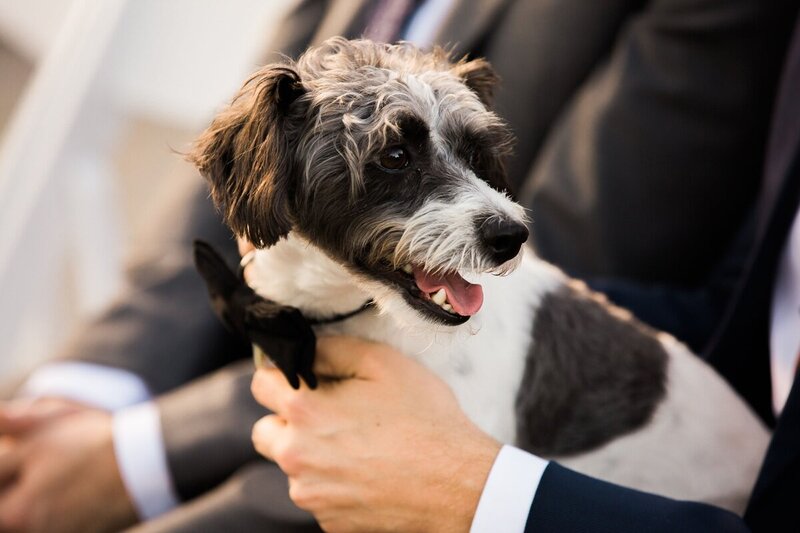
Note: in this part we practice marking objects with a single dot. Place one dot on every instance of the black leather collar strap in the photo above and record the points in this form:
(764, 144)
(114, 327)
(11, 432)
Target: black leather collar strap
(344, 316)
(248, 258)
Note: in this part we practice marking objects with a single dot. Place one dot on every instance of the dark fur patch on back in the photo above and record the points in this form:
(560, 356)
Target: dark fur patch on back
(593, 373)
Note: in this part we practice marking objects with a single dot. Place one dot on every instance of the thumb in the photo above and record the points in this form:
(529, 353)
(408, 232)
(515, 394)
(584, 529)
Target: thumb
(341, 357)
(14, 421)
(244, 246)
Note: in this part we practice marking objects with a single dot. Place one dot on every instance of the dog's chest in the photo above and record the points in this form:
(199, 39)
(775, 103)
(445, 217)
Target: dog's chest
(482, 361)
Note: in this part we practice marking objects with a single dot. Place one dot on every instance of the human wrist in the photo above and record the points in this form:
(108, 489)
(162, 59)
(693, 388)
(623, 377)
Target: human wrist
(469, 472)
(509, 491)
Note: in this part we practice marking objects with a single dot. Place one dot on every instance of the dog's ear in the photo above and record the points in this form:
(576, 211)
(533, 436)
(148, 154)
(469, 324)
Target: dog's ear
(479, 76)
(246, 155)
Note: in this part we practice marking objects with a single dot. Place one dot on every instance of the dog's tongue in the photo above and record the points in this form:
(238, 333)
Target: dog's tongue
(465, 297)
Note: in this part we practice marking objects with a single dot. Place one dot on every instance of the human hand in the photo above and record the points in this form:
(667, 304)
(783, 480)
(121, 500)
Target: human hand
(244, 245)
(58, 471)
(384, 446)
(22, 415)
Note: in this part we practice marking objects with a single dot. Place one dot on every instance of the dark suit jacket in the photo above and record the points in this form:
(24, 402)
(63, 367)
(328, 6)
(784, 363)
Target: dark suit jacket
(611, 101)
(623, 110)
(567, 501)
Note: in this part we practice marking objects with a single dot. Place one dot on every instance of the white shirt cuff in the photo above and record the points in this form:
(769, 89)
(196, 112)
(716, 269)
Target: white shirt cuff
(509, 491)
(142, 460)
(98, 386)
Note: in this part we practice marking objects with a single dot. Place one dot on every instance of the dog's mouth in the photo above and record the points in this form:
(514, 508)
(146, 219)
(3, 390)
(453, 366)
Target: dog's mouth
(444, 297)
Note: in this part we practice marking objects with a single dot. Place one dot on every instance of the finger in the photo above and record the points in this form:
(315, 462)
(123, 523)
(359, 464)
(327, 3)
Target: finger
(267, 433)
(270, 389)
(306, 363)
(10, 462)
(18, 417)
(21, 416)
(244, 245)
(342, 357)
(16, 513)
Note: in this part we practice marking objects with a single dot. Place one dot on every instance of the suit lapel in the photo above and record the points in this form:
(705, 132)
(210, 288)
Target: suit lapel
(342, 18)
(772, 505)
(467, 23)
(785, 133)
(740, 350)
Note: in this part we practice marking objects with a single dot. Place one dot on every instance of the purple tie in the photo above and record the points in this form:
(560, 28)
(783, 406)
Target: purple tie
(785, 134)
(387, 19)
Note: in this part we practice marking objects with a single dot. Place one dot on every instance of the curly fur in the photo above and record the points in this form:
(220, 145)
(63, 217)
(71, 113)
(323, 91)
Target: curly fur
(294, 164)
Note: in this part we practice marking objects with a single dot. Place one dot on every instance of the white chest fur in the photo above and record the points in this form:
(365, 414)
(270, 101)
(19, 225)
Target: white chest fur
(482, 360)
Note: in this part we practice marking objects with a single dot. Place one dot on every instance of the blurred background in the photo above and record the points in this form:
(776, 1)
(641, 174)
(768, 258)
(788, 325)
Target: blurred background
(96, 97)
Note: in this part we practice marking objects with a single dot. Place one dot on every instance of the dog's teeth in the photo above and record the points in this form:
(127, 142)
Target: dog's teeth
(447, 307)
(439, 297)
(408, 269)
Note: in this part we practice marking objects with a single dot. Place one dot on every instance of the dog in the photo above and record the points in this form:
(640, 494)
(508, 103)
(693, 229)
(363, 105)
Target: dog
(371, 179)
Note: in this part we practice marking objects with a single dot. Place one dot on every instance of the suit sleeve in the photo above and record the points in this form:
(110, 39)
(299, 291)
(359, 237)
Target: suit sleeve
(569, 501)
(204, 417)
(254, 498)
(692, 314)
(675, 118)
(161, 326)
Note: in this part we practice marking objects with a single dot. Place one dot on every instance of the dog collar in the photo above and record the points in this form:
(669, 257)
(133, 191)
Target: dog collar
(344, 316)
(248, 258)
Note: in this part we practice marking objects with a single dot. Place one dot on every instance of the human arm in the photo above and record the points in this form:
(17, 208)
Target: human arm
(158, 333)
(48, 464)
(569, 501)
(342, 455)
(388, 445)
(160, 327)
(208, 422)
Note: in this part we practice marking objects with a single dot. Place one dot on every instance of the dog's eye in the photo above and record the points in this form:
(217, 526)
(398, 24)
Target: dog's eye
(394, 158)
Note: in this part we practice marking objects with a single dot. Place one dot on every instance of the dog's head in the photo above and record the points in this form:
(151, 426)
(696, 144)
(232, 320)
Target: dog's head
(385, 157)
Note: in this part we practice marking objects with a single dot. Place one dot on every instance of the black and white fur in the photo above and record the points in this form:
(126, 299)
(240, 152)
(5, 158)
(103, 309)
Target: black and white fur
(361, 165)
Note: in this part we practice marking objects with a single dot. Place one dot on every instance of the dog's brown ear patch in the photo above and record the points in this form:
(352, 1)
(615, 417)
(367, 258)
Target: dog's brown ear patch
(246, 155)
(479, 76)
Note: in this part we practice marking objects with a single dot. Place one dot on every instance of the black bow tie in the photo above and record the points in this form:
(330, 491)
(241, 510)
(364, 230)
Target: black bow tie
(280, 331)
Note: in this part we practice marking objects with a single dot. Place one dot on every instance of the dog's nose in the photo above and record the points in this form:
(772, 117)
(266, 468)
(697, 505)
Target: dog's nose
(503, 238)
